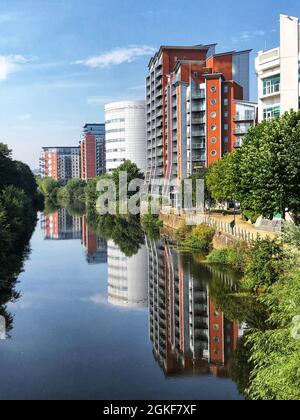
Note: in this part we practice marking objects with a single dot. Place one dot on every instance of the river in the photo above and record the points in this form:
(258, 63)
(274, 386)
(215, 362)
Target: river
(90, 322)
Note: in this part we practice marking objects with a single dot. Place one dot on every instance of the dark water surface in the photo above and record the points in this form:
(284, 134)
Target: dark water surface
(94, 324)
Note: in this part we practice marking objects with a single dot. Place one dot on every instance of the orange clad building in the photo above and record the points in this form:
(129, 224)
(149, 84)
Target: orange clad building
(198, 109)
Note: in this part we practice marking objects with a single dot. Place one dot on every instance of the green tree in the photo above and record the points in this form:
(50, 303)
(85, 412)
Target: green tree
(133, 172)
(221, 179)
(267, 167)
(47, 186)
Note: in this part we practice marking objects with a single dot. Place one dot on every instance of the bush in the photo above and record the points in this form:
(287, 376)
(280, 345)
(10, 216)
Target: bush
(200, 238)
(183, 232)
(250, 215)
(267, 263)
(233, 257)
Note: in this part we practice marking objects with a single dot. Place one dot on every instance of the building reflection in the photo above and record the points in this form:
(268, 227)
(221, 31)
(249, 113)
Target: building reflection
(188, 333)
(60, 225)
(127, 277)
(95, 247)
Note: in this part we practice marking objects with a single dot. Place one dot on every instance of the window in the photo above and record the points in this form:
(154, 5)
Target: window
(213, 89)
(216, 314)
(226, 89)
(213, 127)
(225, 139)
(272, 112)
(271, 85)
(213, 114)
(213, 102)
(226, 102)
(226, 127)
(226, 114)
(214, 140)
(216, 339)
(216, 327)
(214, 153)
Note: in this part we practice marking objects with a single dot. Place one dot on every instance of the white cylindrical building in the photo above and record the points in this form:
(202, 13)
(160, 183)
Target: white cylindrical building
(125, 126)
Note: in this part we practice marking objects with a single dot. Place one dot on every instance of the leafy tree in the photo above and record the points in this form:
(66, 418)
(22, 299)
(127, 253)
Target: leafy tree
(221, 179)
(75, 190)
(133, 172)
(267, 167)
(47, 186)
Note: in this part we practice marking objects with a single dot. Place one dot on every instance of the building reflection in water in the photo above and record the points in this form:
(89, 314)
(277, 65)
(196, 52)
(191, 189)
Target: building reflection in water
(60, 225)
(95, 247)
(127, 277)
(188, 333)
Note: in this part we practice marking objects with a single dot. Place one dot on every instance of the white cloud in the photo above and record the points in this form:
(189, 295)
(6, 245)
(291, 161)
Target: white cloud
(10, 63)
(118, 56)
(248, 35)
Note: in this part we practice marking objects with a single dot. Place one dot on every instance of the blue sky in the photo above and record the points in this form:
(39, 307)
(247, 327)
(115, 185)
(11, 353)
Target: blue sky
(62, 60)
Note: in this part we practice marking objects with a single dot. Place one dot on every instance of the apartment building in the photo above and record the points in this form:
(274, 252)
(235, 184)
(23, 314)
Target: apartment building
(278, 72)
(125, 134)
(92, 147)
(198, 109)
(60, 163)
(188, 333)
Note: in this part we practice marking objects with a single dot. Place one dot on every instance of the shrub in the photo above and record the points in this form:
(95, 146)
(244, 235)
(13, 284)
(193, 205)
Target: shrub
(200, 238)
(250, 215)
(183, 232)
(234, 257)
(268, 262)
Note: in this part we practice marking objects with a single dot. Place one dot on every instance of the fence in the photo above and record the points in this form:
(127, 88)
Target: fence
(236, 231)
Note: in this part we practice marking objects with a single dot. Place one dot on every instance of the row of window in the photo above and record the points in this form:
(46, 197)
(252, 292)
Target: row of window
(116, 120)
(272, 112)
(115, 150)
(115, 160)
(214, 102)
(214, 139)
(213, 127)
(116, 130)
(120, 140)
(213, 89)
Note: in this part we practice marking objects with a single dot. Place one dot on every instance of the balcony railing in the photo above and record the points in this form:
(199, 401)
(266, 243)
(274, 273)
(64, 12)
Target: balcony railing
(198, 94)
(245, 116)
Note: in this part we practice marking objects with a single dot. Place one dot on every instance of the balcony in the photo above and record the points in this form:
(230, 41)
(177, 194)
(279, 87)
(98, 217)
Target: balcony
(198, 133)
(245, 116)
(195, 107)
(241, 131)
(198, 120)
(237, 144)
(197, 146)
(198, 94)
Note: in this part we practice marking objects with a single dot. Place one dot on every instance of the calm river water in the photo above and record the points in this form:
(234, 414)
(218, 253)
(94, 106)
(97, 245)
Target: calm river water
(91, 323)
